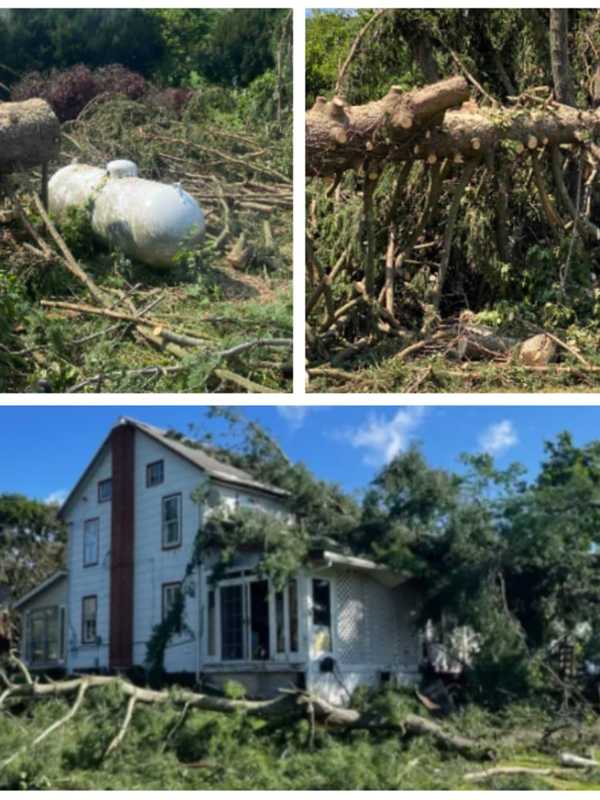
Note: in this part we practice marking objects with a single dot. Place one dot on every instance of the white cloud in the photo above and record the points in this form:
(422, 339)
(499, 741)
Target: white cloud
(498, 437)
(58, 496)
(293, 415)
(383, 438)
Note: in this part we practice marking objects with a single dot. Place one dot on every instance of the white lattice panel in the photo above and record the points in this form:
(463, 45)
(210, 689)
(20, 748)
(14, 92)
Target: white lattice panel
(373, 623)
(351, 627)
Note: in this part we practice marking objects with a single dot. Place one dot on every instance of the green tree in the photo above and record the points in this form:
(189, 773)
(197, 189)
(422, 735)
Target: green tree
(32, 542)
(41, 39)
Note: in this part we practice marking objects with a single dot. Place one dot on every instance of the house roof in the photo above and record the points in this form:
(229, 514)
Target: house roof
(218, 470)
(50, 580)
(386, 576)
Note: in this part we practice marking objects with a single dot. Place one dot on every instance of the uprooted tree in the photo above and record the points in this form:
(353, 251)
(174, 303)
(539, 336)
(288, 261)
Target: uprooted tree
(429, 202)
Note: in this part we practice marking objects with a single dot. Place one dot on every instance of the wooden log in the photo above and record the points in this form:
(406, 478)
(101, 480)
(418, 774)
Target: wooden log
(401, 123)
(394, 120)
(29, 135)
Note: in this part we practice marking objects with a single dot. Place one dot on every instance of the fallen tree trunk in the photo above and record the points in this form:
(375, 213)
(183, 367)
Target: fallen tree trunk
(339, 136)
(288, 706)
(29, 135)
(426, 125)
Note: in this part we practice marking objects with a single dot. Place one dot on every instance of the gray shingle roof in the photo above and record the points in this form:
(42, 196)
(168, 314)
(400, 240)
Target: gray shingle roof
(216, 469)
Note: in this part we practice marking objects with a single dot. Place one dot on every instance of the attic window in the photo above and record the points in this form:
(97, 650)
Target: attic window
(155, 473)
(105, 490)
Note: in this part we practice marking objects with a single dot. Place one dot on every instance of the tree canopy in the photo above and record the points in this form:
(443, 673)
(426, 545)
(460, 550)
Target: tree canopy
(511, 556)
(32, 541)
(229, 47)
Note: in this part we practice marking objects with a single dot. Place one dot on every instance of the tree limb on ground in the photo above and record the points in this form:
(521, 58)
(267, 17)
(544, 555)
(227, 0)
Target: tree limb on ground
(289, 705)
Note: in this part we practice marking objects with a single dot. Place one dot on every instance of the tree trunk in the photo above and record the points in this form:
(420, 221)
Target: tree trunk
(559, 56)
(340, 136)
(418, 125)
(29, 135)
(282, 710)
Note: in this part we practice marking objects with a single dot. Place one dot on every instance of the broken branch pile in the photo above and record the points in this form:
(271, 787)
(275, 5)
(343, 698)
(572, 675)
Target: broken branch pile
(391, 248)
(182, 339)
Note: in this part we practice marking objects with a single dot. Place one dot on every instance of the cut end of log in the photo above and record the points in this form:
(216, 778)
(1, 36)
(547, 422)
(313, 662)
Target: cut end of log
(339, 135)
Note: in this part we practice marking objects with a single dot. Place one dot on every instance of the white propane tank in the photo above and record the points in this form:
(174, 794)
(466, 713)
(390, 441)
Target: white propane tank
(148, 221)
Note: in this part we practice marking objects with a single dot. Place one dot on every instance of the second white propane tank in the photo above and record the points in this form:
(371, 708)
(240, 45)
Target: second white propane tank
(149, 221)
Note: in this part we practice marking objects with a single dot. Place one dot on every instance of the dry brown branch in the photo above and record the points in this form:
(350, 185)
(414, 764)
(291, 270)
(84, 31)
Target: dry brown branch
(354, 47)
(244, 383)
(495, 771)
(69, 260)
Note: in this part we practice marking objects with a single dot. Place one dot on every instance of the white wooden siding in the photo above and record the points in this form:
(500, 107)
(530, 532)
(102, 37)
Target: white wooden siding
(94, 580)
(153, 566)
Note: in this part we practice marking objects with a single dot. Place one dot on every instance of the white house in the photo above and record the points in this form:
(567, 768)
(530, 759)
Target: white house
(132, 523)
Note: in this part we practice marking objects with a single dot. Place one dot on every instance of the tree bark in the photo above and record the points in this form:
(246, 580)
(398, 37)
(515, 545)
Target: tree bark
(418, 125)
(340, 136)
(29, 135)
(559, 56)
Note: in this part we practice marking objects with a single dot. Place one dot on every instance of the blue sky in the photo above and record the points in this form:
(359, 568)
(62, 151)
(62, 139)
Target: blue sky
(46, 448)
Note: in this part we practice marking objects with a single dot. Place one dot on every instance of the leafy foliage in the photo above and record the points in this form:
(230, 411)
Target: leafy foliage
(32, 541)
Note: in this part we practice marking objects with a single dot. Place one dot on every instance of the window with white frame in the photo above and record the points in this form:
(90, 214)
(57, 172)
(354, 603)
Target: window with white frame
(321, 604)
(171, 521)
(105, 490)
(246, 620)
(45, 630)
(91, 535)
(293, 614)
(170, 595)
(89, 613)
(155, 473)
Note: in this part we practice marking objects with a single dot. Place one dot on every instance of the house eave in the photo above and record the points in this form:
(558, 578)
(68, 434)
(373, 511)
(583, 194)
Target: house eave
(50, 580)
(329, 558)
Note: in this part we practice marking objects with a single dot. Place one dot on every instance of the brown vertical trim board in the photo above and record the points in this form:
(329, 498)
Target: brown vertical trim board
(122, 442)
